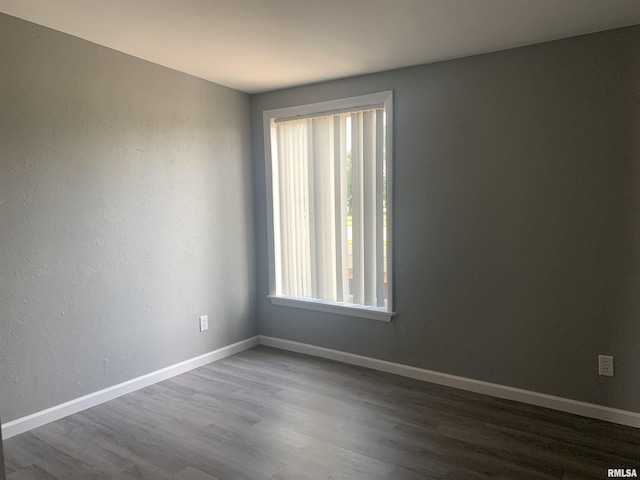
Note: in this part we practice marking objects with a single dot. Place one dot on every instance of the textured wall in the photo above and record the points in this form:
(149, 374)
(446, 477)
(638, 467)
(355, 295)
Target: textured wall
(125, 212)
(1, 462)
(517, 240)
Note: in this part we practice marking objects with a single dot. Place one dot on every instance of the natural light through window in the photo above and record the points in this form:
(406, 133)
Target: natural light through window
(329, 185)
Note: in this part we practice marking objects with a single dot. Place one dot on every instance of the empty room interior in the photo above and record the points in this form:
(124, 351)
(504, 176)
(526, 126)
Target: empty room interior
(306, 240)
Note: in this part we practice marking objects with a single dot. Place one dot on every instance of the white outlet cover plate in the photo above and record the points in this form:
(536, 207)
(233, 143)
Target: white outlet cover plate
(605, 365)
(204, 323)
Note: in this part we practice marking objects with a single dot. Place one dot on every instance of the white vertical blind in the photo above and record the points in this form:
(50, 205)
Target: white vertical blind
(380, 227)
(328, 184)
(357, 282)
(340, 205)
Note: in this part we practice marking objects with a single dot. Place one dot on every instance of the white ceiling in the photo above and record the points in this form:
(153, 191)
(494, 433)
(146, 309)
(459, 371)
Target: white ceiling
(260, 45)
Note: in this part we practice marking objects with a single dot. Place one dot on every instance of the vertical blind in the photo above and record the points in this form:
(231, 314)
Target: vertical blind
(328, 184)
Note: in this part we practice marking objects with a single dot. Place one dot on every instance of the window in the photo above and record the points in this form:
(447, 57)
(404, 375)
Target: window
(329, 205)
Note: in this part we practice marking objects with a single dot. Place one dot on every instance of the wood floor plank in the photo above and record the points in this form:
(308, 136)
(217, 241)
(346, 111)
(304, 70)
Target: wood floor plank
(191, 473)
(32, 472)
(265, 414)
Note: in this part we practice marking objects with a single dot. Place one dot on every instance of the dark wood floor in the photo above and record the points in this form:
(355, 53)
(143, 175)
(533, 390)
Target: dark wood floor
(268, 414)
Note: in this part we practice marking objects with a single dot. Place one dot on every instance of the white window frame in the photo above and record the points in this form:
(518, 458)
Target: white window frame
(384, 314)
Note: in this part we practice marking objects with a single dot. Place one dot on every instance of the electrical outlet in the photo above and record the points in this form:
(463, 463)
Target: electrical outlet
(605, 365)
(204, 323)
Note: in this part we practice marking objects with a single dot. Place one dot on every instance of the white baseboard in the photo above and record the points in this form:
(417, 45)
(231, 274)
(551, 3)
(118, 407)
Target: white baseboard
(590, 410)
(43, 417)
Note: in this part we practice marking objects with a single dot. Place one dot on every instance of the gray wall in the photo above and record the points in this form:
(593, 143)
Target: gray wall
(517, 241)
(126, 211)
(1, 459)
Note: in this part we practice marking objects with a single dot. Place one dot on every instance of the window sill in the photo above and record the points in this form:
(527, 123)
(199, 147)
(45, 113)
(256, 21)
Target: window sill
(333, 307)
